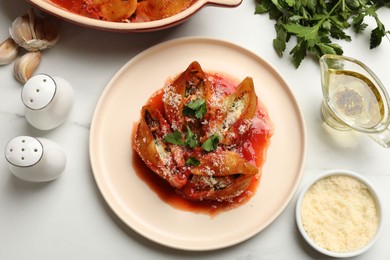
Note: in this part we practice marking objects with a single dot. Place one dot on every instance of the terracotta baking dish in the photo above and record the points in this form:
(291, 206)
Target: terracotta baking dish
(51, 8)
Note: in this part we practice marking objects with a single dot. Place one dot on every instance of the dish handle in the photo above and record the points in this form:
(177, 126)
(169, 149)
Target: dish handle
(225, 2)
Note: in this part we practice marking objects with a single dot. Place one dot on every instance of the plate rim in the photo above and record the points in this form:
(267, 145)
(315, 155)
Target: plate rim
(168, 44)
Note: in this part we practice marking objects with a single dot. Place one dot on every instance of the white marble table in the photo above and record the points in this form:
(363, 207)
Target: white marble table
(68, 218)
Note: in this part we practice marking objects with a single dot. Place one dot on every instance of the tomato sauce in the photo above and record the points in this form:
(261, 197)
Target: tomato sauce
(252, 149)
(74, 6)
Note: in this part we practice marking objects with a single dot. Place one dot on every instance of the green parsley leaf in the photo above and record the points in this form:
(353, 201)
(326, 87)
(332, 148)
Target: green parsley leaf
(196, 108)
(358, 24)
(299, 52)
(311, 4)
(338, 33)
(260, 9)
(279, 42)
(376, 37)
(326, 49)
(307, 33)
(174, 138)
(193, 161)
(327, 25)
(290, 2)
(211, 144)
(191, 138)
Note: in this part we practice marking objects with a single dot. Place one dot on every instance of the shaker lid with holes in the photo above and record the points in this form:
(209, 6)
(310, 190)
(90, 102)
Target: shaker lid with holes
(38, 91)
(23, 151)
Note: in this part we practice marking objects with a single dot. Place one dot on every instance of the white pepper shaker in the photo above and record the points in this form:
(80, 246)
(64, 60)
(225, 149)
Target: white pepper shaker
(35, 159)
(48, 101)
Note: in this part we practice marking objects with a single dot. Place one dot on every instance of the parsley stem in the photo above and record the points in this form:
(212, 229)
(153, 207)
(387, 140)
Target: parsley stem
(332, 10)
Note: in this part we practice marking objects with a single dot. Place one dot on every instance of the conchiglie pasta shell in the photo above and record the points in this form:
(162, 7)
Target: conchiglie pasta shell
(224, 163)
(150, 10)
(146, 141)
(247, 96)
(113, 10)
(192, 82)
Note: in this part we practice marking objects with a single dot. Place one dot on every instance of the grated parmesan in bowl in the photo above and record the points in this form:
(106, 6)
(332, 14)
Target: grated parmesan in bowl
(339, 214)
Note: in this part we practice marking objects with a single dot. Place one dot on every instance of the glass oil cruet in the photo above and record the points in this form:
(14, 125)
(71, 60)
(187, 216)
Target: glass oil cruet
(354, 98)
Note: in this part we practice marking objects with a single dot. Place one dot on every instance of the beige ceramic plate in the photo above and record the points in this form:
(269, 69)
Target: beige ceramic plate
(138, 206)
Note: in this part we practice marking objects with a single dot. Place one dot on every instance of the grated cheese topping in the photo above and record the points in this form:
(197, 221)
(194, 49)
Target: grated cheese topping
(340, 214)
(170, 97)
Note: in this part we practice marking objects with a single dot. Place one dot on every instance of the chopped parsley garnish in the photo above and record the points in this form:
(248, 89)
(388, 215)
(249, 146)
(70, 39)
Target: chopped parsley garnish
(196, 108)
(191, 138)
(211, 144)
(192, 161)
(177, 138)
(174, 138)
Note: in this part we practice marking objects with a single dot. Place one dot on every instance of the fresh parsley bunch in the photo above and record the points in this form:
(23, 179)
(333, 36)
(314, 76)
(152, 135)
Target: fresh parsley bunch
(315, 22)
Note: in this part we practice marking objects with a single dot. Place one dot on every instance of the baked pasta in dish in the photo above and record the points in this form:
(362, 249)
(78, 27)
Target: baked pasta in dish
(125, 10)
(204, 135)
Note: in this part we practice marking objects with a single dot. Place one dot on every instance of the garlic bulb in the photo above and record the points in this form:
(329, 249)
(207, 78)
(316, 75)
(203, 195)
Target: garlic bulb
(34, 33)
(25, 66)
(8, 51)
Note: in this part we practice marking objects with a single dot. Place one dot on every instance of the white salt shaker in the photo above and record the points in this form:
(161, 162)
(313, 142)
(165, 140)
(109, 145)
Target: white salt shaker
(48, 101)
(35, 159)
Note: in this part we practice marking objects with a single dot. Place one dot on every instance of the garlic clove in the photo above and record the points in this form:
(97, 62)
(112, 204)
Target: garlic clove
(47, 31)
(34, 33)
(31, 22)
(25, 66)
(20, 30)
(8, 51)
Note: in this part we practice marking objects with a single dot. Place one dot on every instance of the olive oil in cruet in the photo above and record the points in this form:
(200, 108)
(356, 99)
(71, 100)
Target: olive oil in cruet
(354, 98)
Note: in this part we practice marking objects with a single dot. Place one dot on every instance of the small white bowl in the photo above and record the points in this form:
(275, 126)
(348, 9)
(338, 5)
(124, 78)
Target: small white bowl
(311, 241)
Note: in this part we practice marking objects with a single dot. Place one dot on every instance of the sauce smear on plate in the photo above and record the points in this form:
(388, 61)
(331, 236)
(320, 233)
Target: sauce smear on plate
(168, 194)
